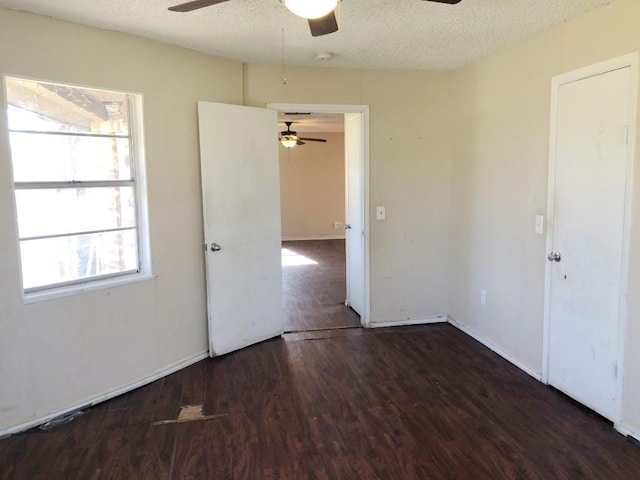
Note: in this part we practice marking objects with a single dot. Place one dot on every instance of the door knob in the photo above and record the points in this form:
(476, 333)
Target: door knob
(347, 226)
(554, 257)
(215, 247)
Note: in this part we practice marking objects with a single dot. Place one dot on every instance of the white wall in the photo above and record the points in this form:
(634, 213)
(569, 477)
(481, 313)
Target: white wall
(500, 184)
(60, 353)
(312, 188)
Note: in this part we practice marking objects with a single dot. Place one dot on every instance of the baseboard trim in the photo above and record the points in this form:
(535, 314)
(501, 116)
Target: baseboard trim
(627, 432)
(491, 346)
(329, 237)
(174, 367)
(413, 321)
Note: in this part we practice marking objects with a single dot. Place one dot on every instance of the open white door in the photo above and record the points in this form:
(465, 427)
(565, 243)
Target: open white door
(354, 225)
(241, 209)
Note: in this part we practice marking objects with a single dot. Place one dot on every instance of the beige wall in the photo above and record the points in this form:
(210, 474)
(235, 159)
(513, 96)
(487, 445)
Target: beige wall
(410, 170)
(312, 188)
(500, 184)
(59, 353)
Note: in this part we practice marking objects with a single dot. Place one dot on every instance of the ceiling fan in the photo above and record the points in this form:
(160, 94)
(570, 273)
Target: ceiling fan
(322, 17)
(289, 139)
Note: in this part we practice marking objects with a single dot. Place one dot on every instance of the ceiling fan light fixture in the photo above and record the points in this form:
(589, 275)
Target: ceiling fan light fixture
(311, 9)
(288, 141)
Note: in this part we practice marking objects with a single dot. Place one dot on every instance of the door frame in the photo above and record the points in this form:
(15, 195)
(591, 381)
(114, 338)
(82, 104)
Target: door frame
(630, 60)
(365, 318)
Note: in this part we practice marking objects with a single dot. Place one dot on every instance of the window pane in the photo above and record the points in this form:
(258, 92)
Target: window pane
(44, 212)
(59, 158)
(66, 259)
(48, 107)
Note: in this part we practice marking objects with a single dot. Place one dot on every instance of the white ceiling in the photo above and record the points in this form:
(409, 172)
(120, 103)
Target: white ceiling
(374, 34)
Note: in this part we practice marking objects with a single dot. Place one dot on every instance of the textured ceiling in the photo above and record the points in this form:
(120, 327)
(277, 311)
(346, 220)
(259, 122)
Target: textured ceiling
(374, 34)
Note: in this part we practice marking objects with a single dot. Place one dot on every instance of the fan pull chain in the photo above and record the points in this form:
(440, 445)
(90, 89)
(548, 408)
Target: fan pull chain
(284, 78)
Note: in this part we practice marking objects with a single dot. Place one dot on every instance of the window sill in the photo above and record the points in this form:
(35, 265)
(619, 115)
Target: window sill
(60, 292)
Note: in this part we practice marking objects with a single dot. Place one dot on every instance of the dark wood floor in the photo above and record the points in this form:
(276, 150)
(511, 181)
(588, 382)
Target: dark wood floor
(399, 403)
(314, 294)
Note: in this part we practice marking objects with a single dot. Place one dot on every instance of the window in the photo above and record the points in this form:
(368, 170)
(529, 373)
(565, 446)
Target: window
(77, 172)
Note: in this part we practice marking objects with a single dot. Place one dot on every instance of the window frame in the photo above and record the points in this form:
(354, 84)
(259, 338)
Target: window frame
(138, 182)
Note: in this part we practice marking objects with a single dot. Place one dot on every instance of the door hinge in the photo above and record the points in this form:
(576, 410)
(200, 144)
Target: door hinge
(615, 369)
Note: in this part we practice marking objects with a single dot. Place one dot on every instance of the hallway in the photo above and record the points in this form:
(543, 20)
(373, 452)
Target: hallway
(314, 286)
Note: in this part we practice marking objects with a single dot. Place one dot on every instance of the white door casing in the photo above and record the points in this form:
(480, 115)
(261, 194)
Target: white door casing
(589, 197)
(241, 210)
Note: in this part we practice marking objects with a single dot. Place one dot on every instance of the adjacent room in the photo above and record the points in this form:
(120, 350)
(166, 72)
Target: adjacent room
(315, 217)
(242, 240)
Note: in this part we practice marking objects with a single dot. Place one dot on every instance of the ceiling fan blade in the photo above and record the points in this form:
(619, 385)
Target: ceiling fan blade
(323, 25)
(313, 139)
(450, 2)
(194, 5)
(300, 142)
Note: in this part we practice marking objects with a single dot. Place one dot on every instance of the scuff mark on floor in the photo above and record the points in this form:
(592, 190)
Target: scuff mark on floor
(190, 413)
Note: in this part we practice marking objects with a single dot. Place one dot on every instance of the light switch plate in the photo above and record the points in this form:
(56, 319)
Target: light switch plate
(381, 214)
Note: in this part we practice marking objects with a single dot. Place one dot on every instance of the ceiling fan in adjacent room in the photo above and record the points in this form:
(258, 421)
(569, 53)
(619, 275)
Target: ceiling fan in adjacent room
(289, 139)
(320, 13)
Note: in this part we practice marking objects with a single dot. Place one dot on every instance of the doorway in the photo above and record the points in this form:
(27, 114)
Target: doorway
(325, 253)
(591, 152)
